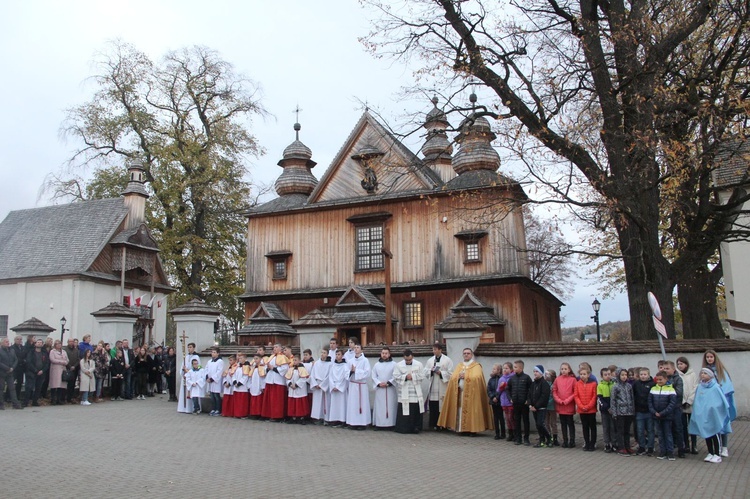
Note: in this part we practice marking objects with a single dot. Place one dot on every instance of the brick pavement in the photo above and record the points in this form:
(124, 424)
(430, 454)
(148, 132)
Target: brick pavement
(145, 449)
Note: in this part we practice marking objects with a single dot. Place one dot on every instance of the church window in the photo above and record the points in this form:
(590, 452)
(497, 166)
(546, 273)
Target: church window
(279, 261)
(369, 247)
(472, 251)
(413, 314)
(3, 325)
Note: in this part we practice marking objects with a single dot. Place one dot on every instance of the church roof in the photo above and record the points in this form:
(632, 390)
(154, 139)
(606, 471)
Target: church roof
(57, 240)
(399, 172)
(733, 160)
(32, 324)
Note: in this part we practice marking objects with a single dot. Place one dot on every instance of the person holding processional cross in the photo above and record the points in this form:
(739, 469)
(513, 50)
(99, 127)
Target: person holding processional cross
(187, 365)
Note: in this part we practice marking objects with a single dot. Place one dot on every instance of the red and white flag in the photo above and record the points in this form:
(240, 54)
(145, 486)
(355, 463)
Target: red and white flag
(139, 301)
(158, 304)
(151, 301)
(131, 299)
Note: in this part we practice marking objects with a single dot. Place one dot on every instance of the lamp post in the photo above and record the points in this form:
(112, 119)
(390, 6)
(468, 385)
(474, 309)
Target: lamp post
(62, 328)
(596, 306)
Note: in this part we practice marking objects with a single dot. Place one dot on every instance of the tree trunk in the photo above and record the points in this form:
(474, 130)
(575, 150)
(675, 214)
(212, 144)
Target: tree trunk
(645, 270)
(696, 293)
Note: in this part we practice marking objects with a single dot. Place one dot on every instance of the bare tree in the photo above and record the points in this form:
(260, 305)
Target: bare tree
(619, 106)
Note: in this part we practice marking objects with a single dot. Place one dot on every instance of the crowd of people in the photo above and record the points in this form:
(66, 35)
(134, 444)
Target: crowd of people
(674, 407)
(82, 372)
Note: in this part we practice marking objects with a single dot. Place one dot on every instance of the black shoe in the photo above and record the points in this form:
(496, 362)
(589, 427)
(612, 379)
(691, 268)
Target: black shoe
(502, 436)
(526, 442)
(693, 450)
(572, 444)
(681, 454)
(517, 442)
(497, 437)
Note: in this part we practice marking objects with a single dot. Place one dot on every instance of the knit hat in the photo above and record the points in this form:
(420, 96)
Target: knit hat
(539, 368)
(709, 372)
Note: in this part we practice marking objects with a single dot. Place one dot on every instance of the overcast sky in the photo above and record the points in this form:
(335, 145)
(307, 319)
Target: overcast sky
(300, 52)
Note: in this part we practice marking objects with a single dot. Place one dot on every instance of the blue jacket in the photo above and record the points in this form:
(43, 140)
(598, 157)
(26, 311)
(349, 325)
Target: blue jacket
(662, 399)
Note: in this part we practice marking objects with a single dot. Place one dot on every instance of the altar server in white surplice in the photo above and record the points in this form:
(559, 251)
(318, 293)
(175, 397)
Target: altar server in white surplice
(214, 371)
(358, 414)
(187, 364)
(321, 401)
(240, 381)
(195, 381)
(338, 385)
(384, 406)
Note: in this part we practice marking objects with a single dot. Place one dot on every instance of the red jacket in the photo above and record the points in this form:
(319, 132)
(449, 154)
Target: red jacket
(563, 391)
(585, 395)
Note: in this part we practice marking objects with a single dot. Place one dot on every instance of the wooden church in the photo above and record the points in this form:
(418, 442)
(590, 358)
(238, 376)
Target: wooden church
(390, 247)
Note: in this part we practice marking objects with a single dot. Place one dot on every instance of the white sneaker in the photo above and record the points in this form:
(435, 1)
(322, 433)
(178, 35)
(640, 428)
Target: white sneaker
(716, 459)
(708, 458)
(724, 452)
(85, 402)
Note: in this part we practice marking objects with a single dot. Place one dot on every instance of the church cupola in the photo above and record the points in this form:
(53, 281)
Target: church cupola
(437, 148)
(296, 177)
(475, 145)
(135, 195)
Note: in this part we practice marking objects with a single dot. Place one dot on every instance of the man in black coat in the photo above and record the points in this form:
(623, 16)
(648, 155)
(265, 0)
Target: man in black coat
(37, 367)
(74, 365)
(21, 366)
(8, 366)
(518, 386)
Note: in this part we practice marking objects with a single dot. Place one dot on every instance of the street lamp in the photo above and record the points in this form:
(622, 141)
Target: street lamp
(596, 306)
(62, 328)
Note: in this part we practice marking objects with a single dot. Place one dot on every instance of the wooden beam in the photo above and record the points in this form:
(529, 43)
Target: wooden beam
(387, 257)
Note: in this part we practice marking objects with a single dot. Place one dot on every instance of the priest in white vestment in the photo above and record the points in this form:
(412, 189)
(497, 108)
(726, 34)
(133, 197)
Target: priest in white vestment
(321, 402)
(187, 365)
(385, 403)
(358, 414)
(408, 376)
(439, 368)
(337, 385)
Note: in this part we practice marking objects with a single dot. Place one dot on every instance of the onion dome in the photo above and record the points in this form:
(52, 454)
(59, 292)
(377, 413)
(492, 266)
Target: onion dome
(475, 150)
(296, 177)
(437, 145)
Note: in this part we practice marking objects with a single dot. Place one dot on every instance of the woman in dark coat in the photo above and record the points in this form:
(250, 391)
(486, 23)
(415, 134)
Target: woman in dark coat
(170, 370)
(141, 369)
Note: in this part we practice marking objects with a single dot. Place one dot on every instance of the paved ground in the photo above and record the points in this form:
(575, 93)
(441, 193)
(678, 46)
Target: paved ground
(145, 449)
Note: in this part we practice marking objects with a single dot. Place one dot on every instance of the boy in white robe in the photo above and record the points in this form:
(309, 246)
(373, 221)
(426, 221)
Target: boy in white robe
(308, 361)
(257, 384)
(338, 385)
(385, 404)
(298, 407)
(195, 380)
(214, 371)
(349, 354)
(358, 414)
(321, 402)
(227, 387)
(240, 395)
(187, 362)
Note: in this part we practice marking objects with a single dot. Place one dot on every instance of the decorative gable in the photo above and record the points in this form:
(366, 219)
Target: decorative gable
(372, 162)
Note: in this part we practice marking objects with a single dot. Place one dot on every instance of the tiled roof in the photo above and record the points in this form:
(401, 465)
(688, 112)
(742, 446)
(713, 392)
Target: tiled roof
(733, 162)
(315, 318)
(32, 324)
(57, 240)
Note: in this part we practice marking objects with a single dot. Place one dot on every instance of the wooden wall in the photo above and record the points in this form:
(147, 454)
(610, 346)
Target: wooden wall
(513, 303)
(424, 246)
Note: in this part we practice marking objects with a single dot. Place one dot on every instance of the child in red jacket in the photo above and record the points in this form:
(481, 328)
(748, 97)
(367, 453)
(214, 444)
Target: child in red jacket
(563, 391)
(585, 397)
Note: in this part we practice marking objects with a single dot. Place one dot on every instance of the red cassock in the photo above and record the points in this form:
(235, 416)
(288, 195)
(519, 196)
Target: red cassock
(256, 405)
(227, 406)
(240, 404)
(298, 407)
(274, 401)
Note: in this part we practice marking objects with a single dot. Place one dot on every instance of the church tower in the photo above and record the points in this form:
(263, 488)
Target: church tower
(135, 195)
(475, 153)
(296, 177)
(437, 148)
